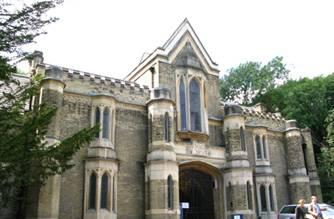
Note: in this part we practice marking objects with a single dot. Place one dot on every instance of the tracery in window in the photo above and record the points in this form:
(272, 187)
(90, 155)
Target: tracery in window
(195, 105)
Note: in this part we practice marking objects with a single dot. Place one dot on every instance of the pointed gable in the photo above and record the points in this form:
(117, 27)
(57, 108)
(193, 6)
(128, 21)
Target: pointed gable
(187, 33)
(183, 44)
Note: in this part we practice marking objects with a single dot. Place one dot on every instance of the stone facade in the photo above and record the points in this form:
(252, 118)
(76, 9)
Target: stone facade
(161, 125)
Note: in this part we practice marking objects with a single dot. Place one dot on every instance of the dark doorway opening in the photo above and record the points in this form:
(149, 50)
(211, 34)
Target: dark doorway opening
(196, 188)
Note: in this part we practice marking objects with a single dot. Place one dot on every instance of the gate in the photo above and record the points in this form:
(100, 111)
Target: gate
(196, 188)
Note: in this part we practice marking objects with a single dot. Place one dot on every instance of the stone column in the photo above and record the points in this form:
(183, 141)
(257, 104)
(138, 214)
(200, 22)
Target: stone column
(161, 159)
(237, 171)
(298, 178)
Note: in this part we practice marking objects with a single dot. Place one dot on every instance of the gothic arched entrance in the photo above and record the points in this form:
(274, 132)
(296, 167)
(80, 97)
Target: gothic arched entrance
(197, 189)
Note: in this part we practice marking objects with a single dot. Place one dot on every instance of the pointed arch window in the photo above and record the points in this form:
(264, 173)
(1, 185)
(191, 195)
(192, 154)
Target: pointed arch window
(92, 191)
(114, 193)
(304, 147)
(167, 128)
(183, 110)
(271, 198)
(170, 189)
(150, 130)
(97, 118)
(264, 146)
(106, 120)
(147, 194)
(263, 198)
(229, 197)
(104, 191)
(242, 139)
(258, 147)
(195, 105)
(249, 195)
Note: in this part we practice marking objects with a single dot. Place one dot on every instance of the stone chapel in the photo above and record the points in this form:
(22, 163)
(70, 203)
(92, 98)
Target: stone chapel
(166, 138)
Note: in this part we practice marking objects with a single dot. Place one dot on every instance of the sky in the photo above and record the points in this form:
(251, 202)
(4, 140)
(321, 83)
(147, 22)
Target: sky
(110, 37)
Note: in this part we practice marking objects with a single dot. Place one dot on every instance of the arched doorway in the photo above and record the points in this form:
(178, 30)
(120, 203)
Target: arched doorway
(196, 188)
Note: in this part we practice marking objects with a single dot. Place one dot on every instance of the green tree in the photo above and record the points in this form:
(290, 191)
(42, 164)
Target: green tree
(326, 167)
(311, 103)
(306, 100)
(26, 159)
(251, 80)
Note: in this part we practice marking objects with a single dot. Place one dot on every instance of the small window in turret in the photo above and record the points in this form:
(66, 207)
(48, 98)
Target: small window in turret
(170, 191)
(167, 128)
(106, 121)
(97, 119)
(263, 198)
(258, 147)
(264, 146)
(92, 191)
(105, 194)
(242, 139)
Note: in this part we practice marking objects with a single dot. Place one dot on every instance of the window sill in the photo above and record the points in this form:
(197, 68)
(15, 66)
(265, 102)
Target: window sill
(262, 163)
(101, 142)
(193, 135)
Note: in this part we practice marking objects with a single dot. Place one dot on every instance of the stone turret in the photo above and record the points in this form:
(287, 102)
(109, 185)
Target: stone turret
(161, 171)
(311, 168)
(35, 59)
(298, 178)
(47, 204)
(238, 176)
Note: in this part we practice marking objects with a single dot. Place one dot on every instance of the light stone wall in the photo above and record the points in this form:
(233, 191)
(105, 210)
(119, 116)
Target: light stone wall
(142, 169)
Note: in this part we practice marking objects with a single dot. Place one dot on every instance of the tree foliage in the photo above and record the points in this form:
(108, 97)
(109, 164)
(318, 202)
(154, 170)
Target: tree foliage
(311, 103)
(326, 167)
(251, 80)
(306, 100)
(20, 24)
(26, 158)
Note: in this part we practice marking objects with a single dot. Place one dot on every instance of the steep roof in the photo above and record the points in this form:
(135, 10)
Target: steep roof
(185, 27)
(173, 41)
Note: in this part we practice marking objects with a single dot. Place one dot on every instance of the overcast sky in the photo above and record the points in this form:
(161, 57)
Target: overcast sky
(110, 37)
